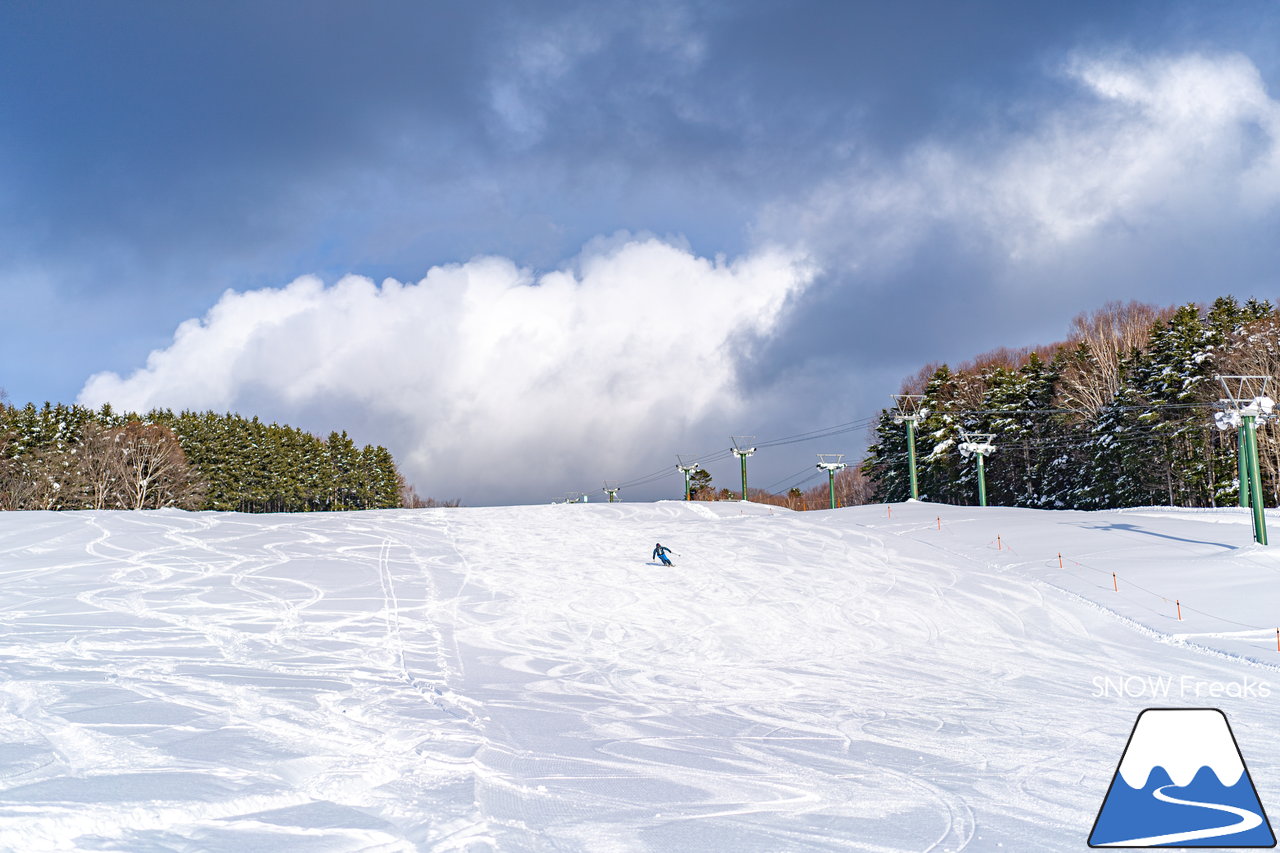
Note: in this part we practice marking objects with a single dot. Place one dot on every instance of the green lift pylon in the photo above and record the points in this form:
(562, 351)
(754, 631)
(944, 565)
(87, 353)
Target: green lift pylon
(687, 469)
(978, 444)
(830, 462)
(1242, 465)
(741, 451)
(1255, 479)
(910, 412)
(1247, 406)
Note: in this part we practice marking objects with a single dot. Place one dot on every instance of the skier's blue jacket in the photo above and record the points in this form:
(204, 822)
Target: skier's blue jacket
(660, 552)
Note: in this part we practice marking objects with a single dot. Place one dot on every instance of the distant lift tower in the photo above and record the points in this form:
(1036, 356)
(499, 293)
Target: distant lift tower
(909, 412)
(1247, 406)
(611, 491)
(742, 451)
(830, 462)
(687, 468)
(978, 445)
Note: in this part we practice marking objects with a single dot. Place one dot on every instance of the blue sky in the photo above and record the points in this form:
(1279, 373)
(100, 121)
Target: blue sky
(865, 187)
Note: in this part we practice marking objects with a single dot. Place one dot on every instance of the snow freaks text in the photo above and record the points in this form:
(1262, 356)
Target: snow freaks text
(1176, 687)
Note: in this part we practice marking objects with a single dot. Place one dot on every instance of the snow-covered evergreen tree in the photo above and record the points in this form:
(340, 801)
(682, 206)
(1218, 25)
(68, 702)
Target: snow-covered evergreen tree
(72, 457)
(1080, 430)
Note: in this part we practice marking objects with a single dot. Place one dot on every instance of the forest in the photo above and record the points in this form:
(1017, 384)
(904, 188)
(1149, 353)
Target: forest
(1122, 413)
(852, 488)
(59, 457)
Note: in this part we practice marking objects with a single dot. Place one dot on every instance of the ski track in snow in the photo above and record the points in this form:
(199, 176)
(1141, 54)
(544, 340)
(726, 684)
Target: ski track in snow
(524, 679)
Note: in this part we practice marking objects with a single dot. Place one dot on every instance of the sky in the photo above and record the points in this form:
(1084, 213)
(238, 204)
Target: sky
(531, 248)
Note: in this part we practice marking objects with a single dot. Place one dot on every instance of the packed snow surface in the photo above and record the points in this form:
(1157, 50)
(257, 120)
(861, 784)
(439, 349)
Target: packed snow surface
(912, 678)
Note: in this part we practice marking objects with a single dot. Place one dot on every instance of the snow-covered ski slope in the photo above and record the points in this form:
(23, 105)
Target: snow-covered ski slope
(527, 679)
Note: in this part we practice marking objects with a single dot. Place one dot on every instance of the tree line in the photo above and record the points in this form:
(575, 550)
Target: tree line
(60, 457)
(1119, 414)
(852, 488)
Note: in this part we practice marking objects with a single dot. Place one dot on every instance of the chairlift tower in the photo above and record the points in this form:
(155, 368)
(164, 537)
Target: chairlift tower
(611, 491)
(1246, 407)
(741, 451)
(1226, 418)
(687, 469)
(830, 462)
(978, 445)
(909, 411)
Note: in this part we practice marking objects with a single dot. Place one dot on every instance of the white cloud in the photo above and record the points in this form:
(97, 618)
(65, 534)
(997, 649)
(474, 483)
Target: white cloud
(1147, 143)
(486, 382)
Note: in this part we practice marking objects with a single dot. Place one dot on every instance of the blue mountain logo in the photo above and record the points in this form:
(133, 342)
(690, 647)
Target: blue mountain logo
(1182, 782)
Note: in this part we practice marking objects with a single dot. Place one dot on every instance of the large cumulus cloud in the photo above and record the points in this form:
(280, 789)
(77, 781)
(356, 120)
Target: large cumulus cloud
(488, 382)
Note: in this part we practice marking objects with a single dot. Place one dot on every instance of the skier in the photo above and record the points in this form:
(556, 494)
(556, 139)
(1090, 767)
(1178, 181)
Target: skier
(660, 552)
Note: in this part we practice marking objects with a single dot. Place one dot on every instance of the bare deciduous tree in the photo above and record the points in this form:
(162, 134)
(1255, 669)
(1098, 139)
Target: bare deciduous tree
(1255, 351)
(100, 469)
(46, 479)
(853, 488)
(13, 485)
(1103, 339)
(152, 468)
